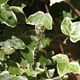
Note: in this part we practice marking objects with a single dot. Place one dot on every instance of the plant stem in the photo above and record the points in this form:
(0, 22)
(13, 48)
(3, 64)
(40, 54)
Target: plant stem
(60, 43)
(76, 10)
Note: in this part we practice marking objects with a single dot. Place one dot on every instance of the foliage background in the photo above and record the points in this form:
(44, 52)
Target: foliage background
(18, 40)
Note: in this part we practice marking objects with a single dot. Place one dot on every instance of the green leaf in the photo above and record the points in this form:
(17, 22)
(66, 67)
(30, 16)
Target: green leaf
(33, 44)
(13, 78)
(9, 46)
(24, 62)
(3, 2)
(44, 42)
(1, 55)
(27, 71)
(66, 14)
(50, 73)
(37, 70)
(13, 43)
(66, 26)
(7, 50)
(6, 76)
(8, 17)
(22, 78)
(14, 70)
(55, 1)
(62, 64)
(74, 67)
(75, 32)
(44, 61)
(28, 55)
(71, 29)
(17, 43)
(40, 18)
(19, 14)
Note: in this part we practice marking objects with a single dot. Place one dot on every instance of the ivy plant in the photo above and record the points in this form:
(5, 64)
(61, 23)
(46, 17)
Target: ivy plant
(25, 46)
(71, 29)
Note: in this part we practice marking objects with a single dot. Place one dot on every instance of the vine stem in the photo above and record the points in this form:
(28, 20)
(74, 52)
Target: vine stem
(36, 51)
(53, 24)
(76, 10)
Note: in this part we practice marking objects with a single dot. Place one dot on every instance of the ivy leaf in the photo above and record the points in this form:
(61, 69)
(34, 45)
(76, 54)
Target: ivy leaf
(14, 70)
(74, 67)
(7, 50)
(50, 73)
(6, 76)
(62, 64)
(40, 18)
(13, 43)
(37, 70)
(44, 42)
(66, 14)
(1, 55)
(55, 1)
(66, 26)
(3, 2)
(71, 29)
(17, 43)
(24, 62)
(28, 55)
(75, 32)
(22, 78)
(8, 17)
(19, 14)
(44, 61)
(9, 46)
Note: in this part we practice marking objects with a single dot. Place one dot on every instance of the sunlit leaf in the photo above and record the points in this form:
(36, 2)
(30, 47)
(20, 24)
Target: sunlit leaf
(3, 2)
(37, 70)
(9, 46)
(2, 55)
(24, 62)
(40, 18)
(19, 14)
(67, 14)
(55, 1)
(66, 26)
(62, 64)
(74, 67)
(6, 76)
(17, 43)
(14, 70)
(71, 29)
(51, 73)
(28, 55)
(8, 17)
(75, 32)
(22, 78)
(7, 50)
(44, 61)
(44, 42)
(13, 43)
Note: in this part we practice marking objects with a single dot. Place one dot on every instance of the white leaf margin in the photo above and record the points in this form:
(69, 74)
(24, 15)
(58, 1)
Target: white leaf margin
(55, 1)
